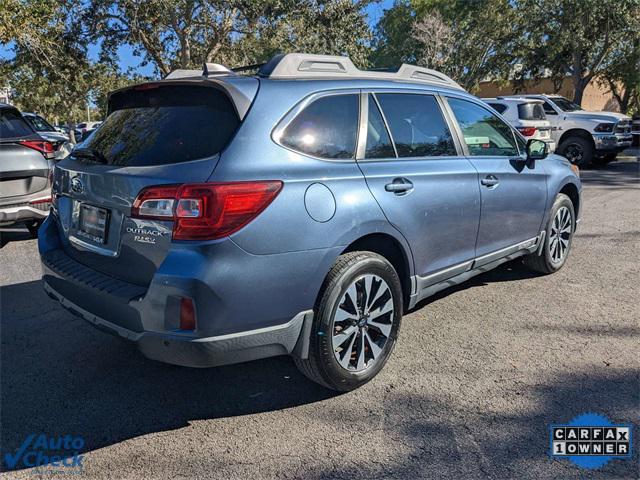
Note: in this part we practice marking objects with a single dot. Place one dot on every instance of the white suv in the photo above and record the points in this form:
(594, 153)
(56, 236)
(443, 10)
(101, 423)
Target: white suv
(585, 137)
(527, 115)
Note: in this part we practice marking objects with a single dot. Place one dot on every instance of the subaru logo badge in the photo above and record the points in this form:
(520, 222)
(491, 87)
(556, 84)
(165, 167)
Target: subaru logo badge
(76, 185)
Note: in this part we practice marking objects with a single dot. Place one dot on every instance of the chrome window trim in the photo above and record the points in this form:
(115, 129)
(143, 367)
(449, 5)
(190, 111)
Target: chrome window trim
(283, 123)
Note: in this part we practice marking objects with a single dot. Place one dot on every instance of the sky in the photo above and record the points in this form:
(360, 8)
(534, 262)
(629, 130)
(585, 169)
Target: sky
(128, 60)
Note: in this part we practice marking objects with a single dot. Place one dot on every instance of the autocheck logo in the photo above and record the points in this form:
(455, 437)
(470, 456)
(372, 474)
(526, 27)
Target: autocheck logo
(56, 454)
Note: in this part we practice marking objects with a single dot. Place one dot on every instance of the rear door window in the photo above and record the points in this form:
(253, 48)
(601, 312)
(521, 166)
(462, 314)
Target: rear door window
(13, 125)
(378, 141)
(417, 126)
(484, 133)
(326, 128)
(164, 125)
(531, 111)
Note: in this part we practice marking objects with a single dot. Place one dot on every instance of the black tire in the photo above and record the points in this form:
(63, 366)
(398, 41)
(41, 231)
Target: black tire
(322, 366)
(33, 226)
(544, 261)
(578, 150)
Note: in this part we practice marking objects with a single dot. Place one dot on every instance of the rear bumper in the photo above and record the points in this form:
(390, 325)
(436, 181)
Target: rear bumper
(10, 214)
(230, 329)
(202, 352)
(609, 143)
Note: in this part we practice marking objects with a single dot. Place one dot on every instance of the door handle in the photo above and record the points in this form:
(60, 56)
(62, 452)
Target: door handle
(399, 186)
(490, 181)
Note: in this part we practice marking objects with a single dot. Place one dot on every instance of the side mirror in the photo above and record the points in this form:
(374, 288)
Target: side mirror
(537, 150)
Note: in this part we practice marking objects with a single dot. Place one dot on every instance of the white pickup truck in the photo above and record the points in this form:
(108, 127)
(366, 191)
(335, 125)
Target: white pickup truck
(585, 137)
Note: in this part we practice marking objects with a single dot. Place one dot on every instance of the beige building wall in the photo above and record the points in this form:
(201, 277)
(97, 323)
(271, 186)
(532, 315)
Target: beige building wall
(595, 98)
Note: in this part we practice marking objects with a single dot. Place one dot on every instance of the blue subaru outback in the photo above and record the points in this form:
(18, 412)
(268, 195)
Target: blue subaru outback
(216, 218)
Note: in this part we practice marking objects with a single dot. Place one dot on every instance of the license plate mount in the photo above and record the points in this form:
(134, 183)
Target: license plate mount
(93, 223)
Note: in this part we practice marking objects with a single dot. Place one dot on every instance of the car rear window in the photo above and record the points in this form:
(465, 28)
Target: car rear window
(531, 111)
(12, 125)
(163, 125)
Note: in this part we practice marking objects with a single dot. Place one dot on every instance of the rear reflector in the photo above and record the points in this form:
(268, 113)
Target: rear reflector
(45, 148)
(206, 211)
(187, 314)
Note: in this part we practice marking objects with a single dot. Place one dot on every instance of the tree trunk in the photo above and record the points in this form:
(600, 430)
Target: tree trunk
(579, 85)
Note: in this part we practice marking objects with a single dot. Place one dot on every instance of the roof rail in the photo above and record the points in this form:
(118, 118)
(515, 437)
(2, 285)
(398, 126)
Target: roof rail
(302, 65)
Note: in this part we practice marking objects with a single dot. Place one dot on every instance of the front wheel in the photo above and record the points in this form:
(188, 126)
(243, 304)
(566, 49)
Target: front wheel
(558, 237)
(577, 150)
(356, 322)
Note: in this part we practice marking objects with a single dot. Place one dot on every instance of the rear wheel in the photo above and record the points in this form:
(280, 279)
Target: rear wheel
(356, 322)
(557, 240)
(577, 150)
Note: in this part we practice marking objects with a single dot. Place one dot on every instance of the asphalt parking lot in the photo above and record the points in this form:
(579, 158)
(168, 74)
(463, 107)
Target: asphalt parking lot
(479, 373)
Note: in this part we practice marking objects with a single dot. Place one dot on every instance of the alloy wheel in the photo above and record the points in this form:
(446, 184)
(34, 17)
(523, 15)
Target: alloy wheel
(574, 153)
(362, 323)
(561, 229)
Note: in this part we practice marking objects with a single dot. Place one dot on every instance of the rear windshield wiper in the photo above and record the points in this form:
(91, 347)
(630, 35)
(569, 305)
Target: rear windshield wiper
(89, 153)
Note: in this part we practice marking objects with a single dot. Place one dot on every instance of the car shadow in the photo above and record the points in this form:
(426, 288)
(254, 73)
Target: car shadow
(62, 377)
(618, 175)
(13, 234)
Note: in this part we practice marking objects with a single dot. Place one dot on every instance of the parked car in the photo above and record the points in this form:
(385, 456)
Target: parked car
(84, 129)
(25, 171)
(526, 115)
(216, 218)
(583, 137)
(635, 130)
(50, 133)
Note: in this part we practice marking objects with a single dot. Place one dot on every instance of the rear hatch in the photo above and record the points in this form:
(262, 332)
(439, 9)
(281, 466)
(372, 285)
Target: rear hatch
(164, 133)
(24, 170)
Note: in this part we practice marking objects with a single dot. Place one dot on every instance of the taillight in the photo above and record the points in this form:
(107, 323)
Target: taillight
(205, 211)
(45, 148)
(527, 131)
(40, 200)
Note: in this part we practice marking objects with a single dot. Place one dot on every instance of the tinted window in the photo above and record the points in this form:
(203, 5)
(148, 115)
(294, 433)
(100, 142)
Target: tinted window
(38, 123)
(417, 126)
(566, 105)
(326, 128)
(164, 125)
(498, 107)
(531, 111)
(12, 125)
(483, 132)
(378, 142)
(548, 109)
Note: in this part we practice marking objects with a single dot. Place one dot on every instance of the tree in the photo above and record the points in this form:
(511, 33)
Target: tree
(622, 76)
(580, 38)
(467, 40)
(186, 33)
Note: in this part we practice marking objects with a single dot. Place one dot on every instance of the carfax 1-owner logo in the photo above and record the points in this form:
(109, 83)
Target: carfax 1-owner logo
(54, 454)
(590, 441)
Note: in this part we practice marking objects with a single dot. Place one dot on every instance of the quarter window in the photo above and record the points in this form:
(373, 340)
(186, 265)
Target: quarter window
(378, 142)
(484, 133)
(417, 125)
(326, 128)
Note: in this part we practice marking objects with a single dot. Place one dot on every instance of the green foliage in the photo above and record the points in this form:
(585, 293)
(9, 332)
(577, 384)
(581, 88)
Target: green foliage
(471, 38)
(187, 33)
(582, 38)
